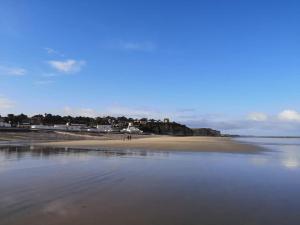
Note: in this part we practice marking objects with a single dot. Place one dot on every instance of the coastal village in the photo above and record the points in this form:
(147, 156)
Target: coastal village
(49, 122)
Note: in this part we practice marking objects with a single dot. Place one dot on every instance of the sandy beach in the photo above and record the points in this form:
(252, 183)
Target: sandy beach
(165, 143)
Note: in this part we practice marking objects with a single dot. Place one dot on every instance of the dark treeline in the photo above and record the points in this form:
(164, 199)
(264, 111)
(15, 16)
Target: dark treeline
(49, 119)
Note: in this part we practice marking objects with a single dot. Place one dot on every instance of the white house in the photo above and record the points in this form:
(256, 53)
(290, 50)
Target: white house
(132, 130)
(60, 127)
(3, 124)
(75, 127)
(104, 128)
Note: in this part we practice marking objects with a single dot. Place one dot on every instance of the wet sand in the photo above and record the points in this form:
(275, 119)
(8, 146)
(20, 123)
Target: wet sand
(58, 186)
(36, 136)
(165, 143)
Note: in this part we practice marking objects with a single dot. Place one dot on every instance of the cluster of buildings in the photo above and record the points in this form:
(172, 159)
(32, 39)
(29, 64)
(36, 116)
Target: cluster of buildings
(82, 127)
(73, 127)
(112, 126)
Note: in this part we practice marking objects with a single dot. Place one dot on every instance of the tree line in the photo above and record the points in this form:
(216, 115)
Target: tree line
(49, 119)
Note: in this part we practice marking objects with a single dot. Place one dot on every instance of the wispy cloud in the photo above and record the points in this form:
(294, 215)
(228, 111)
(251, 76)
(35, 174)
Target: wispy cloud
(12, 71)
(257, 116)
(52, 51)
(6, 103)
(67, 66)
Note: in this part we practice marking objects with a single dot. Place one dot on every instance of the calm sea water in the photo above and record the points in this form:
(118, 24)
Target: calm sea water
(65, 186)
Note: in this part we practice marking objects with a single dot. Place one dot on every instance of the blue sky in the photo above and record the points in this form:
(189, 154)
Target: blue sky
(230, 65)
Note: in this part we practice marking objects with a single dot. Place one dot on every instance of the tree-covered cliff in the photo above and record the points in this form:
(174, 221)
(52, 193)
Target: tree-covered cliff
(166, 128)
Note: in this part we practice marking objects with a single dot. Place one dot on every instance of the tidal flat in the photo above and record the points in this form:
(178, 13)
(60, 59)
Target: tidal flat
(60, 185)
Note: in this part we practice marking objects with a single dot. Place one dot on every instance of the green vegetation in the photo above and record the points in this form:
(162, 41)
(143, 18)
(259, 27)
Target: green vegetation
(146, 125)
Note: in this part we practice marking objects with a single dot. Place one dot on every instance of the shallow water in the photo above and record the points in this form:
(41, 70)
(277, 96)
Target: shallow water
(65, 186)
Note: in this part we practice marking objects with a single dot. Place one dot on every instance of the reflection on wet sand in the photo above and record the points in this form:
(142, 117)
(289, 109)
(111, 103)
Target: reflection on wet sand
(48, 186)
(39, 151)
(288, 151)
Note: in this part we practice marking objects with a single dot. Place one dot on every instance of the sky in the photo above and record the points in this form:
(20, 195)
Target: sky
(230, 65)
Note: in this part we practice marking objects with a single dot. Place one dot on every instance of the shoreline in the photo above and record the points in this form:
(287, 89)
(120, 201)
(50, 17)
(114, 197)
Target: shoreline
(162, 143)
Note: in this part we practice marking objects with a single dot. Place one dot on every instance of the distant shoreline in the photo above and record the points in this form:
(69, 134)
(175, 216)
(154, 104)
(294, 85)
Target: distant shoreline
(249, 136)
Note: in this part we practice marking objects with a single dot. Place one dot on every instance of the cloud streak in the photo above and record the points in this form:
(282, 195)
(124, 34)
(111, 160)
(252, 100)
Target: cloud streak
(257, 116)
(69, 66)
(12, 71)
(52, 51)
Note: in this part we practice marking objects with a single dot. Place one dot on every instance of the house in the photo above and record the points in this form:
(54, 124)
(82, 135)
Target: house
(104, 128)
(4, 124)
(60, 127)
(131, 130)
(70, 127)
(75, 127)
